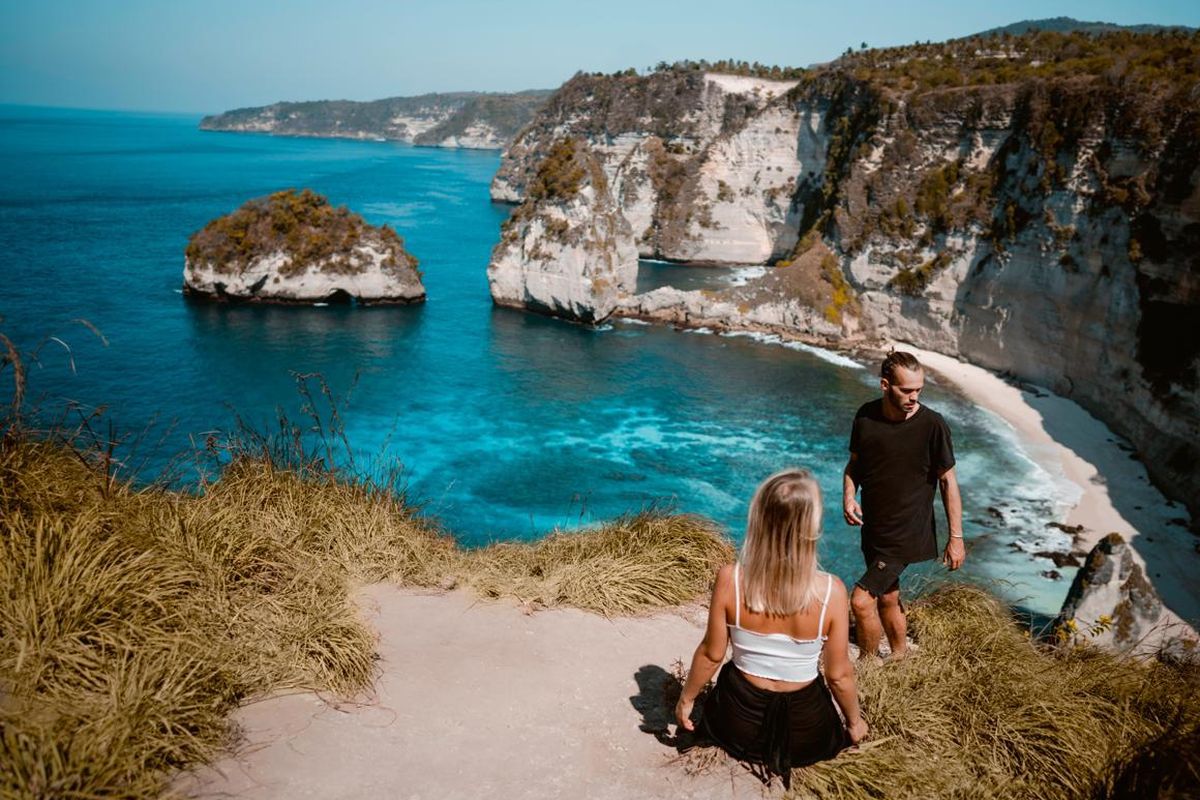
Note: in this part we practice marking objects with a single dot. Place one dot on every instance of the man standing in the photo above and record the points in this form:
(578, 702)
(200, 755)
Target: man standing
(900, 453)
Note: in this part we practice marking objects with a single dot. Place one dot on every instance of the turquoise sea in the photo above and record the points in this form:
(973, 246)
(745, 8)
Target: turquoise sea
(506, 424)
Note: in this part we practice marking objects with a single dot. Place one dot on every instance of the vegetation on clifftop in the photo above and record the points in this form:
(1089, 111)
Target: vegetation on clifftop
(302, 225)
(1147, 60)
(560, 174)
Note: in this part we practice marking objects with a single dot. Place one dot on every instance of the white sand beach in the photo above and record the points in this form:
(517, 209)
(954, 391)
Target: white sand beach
(1117, 495)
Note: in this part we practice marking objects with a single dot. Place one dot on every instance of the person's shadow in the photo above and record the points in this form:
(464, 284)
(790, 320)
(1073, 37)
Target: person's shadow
(658, 692)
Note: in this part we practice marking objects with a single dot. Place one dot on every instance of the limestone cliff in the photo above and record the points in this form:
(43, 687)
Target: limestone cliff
(457, 119)
(567, 250)
(294, 247)
(703, 165)
(1029, 203)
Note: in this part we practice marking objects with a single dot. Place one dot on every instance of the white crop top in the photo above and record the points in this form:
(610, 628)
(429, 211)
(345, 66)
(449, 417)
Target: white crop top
(775, 655)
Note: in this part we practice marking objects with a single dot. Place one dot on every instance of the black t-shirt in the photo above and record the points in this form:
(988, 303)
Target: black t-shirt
(897, 468)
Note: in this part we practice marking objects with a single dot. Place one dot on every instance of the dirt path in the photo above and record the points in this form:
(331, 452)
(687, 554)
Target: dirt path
(479, 699)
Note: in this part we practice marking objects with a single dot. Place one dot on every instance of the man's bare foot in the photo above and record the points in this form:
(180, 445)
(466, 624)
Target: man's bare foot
(901, 654)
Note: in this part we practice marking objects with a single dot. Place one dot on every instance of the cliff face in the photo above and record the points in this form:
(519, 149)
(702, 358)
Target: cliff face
(703, 165)
(567, 251)
(294, 247)
(459, 119)
(1031, 204)
(1035, 230)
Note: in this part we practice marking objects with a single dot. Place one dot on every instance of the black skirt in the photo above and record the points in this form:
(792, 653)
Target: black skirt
(778, 729)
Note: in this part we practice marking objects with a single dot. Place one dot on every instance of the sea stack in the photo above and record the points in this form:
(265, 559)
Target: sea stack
(295, 247)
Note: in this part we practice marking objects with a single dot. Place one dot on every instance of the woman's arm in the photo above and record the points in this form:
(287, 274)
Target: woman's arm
(711, 651)
(839, 671)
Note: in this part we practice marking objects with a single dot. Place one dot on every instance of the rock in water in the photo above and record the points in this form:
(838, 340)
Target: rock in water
(1111, 604)
(294, 247)
(566, 250)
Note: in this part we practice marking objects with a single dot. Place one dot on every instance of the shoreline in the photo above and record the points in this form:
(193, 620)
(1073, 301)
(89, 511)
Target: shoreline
(1116, 494)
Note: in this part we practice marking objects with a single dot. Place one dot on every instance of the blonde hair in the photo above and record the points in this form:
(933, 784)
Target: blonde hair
(779, 556)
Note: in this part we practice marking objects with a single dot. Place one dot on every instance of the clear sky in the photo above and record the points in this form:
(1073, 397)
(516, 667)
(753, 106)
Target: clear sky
(188, 55)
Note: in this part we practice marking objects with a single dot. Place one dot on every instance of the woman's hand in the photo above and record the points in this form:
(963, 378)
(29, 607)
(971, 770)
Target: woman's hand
(858, 730)
(683, 714)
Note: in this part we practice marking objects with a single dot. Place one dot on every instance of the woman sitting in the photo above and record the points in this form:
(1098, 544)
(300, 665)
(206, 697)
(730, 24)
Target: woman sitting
(770, 704)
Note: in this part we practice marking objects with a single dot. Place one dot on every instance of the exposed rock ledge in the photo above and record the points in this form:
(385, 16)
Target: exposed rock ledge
(1111, 604)
(294, 247)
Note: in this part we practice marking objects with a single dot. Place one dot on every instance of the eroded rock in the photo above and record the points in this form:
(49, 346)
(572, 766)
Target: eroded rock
(566, 250)
(294, 247)
(1112, 605)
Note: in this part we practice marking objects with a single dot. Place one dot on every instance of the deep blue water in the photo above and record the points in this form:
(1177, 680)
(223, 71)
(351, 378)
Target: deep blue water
(506, 424)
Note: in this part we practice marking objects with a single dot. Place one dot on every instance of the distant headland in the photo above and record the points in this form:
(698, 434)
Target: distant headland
(474, 120)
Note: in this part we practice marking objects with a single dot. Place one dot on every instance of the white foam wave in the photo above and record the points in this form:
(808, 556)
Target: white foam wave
(740, 276)
(829, 356)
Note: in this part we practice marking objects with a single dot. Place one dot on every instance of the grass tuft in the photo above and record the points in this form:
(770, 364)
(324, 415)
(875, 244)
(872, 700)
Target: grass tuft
(982, 711)
(637, 562)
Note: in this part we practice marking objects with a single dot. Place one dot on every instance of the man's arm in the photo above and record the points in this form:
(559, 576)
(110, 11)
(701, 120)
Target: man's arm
(955, 552)
(851, 510)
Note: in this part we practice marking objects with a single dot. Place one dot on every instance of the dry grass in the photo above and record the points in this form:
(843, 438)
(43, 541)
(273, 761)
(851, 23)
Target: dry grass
(132, 621)
(638, 562)
(981, 711)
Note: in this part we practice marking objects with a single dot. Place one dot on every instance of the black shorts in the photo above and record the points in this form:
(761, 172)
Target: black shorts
(882, 575)
(778, 729)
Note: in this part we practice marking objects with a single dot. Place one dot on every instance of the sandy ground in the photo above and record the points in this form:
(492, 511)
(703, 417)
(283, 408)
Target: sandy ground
(479, 699)
(1116, 492)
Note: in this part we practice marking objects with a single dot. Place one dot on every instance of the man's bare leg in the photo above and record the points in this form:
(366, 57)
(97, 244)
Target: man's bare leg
(866, 622)
(895, 625)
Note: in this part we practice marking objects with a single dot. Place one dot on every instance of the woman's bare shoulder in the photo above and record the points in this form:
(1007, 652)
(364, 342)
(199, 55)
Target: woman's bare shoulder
(837, 588)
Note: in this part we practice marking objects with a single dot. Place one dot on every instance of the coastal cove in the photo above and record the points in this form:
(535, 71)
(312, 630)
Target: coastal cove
(507, 424)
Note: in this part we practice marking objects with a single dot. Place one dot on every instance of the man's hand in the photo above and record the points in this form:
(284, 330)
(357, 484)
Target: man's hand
(852, 511)
(956, 553)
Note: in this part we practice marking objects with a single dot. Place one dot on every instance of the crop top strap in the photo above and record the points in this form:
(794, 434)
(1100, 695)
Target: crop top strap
(737, 598)
(824, 606)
